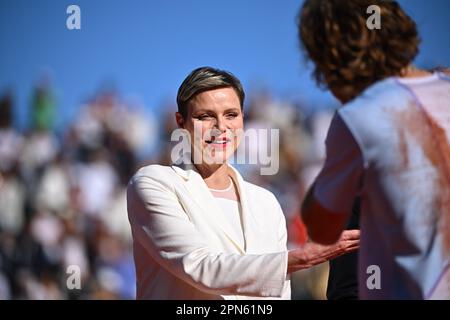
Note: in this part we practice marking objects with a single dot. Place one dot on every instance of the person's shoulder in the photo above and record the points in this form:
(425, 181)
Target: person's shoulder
(152, 169)
(264, 203)
(375, 105)
(255, 192)
(260, 192)
(153, 172)
(379, 93)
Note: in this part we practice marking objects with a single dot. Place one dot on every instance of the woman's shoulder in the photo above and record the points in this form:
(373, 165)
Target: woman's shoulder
(253, 189)
(152, 172)
(152, 169)
(264, 203)
(259, 192)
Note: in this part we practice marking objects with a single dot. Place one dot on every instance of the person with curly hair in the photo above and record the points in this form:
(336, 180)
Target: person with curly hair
(388, 145)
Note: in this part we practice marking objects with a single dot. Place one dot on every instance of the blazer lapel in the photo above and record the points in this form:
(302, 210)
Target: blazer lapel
(245, 206)
(200, 193)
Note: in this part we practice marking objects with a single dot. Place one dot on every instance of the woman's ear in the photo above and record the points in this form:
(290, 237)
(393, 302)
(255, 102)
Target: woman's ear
(179, 119)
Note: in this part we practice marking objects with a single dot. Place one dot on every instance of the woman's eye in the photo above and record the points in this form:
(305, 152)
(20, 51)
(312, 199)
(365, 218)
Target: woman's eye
(203, 117)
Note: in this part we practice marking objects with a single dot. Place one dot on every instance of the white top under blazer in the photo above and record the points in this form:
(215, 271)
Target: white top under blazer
(184, 250)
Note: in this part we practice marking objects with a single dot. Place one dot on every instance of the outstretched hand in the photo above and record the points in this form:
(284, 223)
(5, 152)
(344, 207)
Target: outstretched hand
(311, 253)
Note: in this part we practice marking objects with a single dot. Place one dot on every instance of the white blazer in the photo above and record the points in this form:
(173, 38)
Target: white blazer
(184, 250)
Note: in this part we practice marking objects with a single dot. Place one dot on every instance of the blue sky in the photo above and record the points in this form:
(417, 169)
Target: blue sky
(146, 48)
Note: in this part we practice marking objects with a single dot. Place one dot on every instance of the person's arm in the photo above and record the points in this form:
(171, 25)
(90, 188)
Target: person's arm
(310, 253)
(327, 205)
(324, 226)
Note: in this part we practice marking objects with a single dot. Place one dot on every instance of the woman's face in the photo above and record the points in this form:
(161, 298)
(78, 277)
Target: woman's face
(215, 123)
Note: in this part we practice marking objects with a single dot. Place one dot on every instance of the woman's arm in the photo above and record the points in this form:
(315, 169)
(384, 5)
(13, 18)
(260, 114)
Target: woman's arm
(311, 253)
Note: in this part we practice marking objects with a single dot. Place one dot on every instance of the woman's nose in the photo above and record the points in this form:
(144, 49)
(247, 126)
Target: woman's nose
(221, 125)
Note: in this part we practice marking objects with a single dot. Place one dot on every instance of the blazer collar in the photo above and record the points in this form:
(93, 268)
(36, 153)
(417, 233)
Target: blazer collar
(185, 170)
(199, 191)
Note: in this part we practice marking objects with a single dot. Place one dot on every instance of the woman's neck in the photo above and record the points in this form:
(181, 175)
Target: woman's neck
(215, 176)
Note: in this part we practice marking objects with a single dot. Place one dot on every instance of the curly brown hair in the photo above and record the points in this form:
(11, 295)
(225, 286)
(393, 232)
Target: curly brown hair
(349, 56)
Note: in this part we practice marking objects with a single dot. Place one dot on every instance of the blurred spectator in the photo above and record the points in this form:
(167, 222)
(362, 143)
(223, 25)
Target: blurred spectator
(12, 191)
(10, 139)
(44, 107)
(96, 180)
(12, 199)
(53, 191)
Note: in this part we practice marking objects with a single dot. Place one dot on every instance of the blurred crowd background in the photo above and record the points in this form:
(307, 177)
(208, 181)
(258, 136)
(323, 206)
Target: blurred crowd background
(69, 141)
